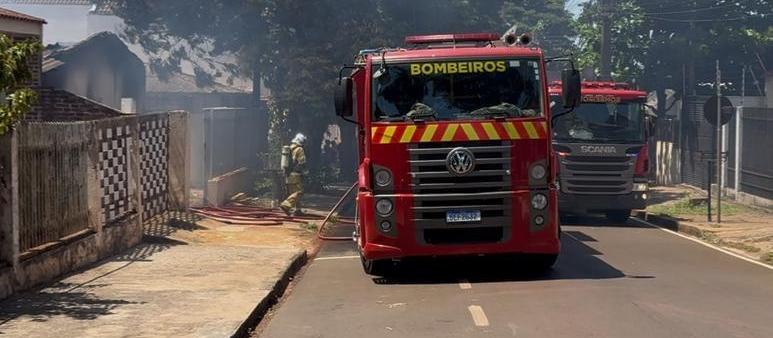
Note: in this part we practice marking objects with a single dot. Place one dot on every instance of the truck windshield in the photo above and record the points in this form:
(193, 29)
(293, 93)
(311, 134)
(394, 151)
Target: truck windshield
(620, 122)
(452, 90)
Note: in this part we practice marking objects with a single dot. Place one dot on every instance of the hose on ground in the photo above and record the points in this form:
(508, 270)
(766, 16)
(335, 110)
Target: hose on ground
(330, 214)
(242, 214)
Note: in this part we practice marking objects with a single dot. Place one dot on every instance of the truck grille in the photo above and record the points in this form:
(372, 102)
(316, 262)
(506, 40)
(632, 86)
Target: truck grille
(436, 191)
(597, 174)
(429, 174)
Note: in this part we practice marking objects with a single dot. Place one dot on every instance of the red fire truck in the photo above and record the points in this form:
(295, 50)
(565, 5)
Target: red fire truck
(454, 149)
(602, 150)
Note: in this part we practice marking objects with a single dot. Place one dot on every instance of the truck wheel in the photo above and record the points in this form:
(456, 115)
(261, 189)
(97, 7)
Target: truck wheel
(377, 267)
(619, 216)
(542, 262)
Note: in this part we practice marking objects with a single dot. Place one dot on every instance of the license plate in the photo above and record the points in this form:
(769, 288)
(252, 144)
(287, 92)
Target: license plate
(462, 216)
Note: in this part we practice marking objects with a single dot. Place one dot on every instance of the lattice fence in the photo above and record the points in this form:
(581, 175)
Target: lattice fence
(115, 142)
(154, 163)
(79, 177)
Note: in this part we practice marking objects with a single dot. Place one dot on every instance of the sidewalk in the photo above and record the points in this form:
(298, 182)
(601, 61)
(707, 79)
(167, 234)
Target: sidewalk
(744, 230)
(190, 277)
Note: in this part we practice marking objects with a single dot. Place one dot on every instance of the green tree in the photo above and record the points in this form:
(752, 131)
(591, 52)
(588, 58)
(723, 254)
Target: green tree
(15, 98)
(298, 46)
(653, 42)
(630, 43)
(548, 21)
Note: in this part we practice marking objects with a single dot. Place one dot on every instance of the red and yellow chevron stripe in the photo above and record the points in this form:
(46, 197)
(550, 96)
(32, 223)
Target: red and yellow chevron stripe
(467, 131)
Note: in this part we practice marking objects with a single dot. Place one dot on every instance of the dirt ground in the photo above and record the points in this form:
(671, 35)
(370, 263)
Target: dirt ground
(202, 230)
(745, 230)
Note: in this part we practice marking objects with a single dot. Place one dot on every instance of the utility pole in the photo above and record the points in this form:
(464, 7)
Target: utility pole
(739, 137)
(719, 146)
(605, 53)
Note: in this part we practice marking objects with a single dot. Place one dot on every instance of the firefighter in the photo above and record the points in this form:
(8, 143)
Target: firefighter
(294, 178)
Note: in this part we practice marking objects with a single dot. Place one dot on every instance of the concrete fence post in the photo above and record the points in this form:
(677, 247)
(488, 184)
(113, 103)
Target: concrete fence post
(93, 187)
(179, 165)
(135, 173)
(9, 199)
(738, 151)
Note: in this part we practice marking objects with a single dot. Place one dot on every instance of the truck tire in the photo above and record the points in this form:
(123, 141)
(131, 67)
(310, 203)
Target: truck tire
(619, 216)
(377, 267)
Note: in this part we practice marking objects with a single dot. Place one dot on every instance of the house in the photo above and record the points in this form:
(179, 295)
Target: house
(180, 91)
(224, 135)
(100, 68)
(21, 26)
(54, 104)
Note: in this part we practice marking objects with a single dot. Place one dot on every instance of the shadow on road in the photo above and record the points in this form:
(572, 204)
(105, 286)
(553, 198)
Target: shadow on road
(577, 261)
(594, 220)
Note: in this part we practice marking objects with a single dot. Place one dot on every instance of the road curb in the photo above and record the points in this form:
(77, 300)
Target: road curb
(277, 290)
(670, 223)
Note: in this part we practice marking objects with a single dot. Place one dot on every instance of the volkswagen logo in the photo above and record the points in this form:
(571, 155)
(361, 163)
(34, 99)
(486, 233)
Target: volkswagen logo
(460, 161)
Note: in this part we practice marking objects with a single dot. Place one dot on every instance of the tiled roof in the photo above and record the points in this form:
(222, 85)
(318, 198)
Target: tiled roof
(184, 83)
(48, 2)
(7, 13)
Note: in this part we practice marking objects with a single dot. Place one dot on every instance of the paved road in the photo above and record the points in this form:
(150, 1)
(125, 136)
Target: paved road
(611, 281)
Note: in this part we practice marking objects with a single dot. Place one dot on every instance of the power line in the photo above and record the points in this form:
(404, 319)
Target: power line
(707, 20)
(693, 10)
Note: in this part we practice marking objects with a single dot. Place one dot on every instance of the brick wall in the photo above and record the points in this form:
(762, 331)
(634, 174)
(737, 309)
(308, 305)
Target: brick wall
(60, 105)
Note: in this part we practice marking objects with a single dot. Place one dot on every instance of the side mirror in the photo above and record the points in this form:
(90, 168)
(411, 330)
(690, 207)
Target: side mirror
(570, 87)
(344, 98)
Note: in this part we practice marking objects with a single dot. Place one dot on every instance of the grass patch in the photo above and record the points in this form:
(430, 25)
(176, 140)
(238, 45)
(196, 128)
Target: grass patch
(310, 227)
(763, 239)
(740, 246)
(710, 237)
(687, 206)
(767, 258)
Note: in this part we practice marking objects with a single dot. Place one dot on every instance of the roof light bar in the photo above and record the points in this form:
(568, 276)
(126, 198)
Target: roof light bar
(440, 38)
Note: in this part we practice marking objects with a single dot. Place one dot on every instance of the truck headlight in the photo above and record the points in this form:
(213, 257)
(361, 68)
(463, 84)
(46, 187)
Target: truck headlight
(386, 226)
(640, 187)
(538, 172)
(539, 201)
(384, 207)
(383, 178)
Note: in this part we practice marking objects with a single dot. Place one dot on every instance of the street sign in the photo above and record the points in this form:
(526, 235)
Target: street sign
(710, 110)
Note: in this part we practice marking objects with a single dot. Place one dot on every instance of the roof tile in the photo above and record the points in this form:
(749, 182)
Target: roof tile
(7, 13)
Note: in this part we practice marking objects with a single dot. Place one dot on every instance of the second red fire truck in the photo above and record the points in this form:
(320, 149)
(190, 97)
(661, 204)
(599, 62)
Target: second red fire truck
(601, 148)
(454, 149)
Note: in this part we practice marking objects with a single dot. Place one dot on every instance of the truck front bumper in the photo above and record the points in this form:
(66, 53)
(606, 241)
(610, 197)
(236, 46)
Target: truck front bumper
(573, 203)
(519, 234)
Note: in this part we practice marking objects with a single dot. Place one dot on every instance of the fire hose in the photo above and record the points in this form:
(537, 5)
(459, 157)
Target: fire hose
(241, 214)
(332, 211)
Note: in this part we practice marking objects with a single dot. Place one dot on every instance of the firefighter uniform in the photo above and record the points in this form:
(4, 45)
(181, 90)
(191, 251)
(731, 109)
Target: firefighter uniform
(295, 179)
